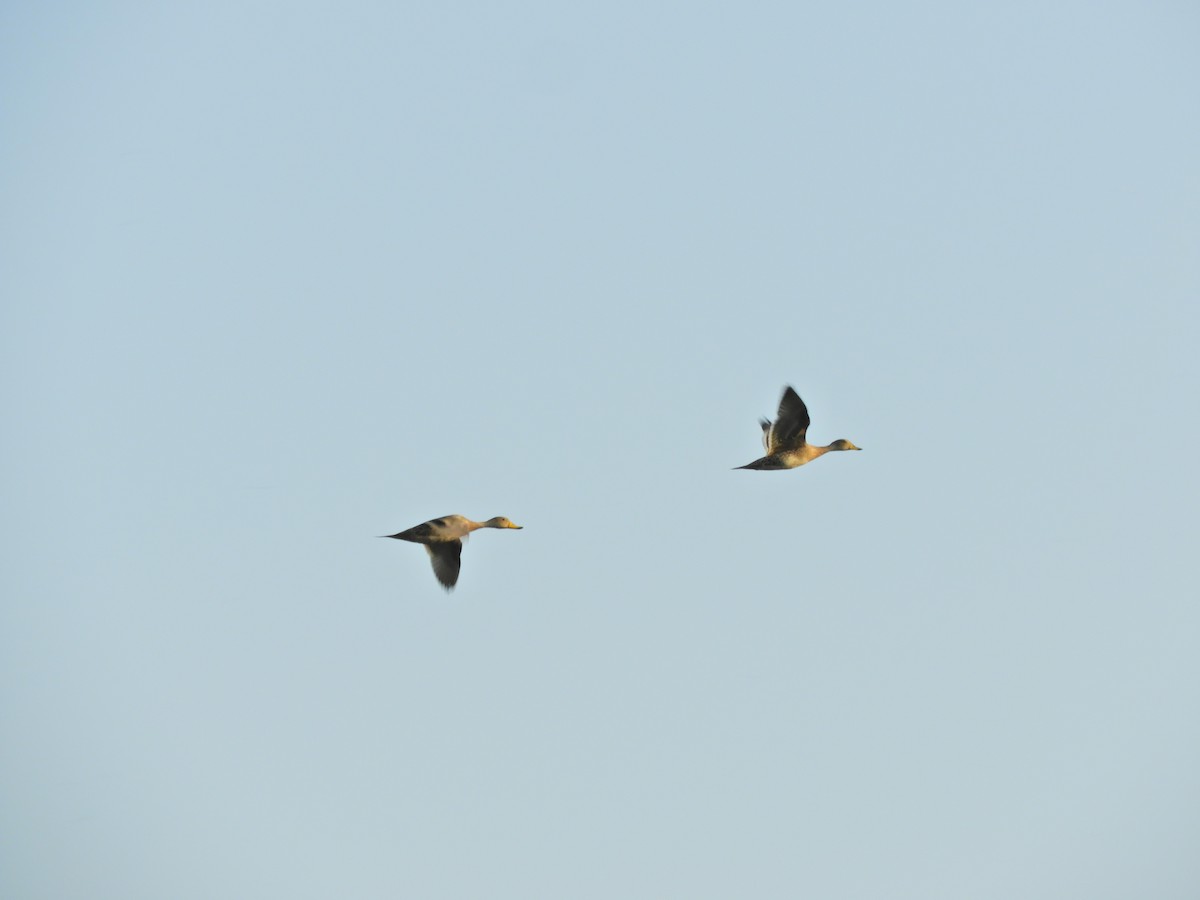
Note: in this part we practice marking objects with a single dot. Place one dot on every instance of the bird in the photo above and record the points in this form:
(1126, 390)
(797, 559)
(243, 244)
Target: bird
(784, 439)
(443, 539)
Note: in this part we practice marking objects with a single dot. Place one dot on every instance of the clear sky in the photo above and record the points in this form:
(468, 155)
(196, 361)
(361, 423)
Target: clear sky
(281, 277)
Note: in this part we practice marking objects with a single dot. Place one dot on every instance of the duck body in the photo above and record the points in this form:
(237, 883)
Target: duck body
(786, 439)
(788, 459)
(443, 537)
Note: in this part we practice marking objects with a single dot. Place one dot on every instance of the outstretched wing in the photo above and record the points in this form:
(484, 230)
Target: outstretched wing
(446, 557)
(791, 424)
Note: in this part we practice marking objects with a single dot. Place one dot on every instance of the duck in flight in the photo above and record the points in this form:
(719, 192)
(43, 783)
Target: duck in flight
(443, 540)
(784, 439)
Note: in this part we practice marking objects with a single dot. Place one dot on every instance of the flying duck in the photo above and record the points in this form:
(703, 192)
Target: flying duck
(784, 439)
(443, 540)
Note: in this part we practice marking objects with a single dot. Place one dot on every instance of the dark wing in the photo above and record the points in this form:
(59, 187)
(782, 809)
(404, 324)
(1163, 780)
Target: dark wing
(791, 424)
(446, 557)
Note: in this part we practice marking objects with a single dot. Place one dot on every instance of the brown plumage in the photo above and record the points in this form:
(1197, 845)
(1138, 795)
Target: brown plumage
(786, 439)
(443, 540)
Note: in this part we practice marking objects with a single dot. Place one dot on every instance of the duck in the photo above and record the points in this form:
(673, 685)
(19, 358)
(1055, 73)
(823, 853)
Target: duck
(443, 539)
(785, 439)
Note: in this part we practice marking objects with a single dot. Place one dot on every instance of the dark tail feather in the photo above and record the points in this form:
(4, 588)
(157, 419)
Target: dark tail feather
(757, 464)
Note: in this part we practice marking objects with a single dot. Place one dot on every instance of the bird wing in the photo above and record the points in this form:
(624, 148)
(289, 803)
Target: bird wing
(766, 427)
(446, 557)
(791, 424)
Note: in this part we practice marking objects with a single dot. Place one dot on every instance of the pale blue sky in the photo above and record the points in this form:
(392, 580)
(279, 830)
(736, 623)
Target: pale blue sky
(281, 277)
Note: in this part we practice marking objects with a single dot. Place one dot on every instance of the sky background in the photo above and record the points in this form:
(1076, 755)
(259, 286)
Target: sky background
(282, 277)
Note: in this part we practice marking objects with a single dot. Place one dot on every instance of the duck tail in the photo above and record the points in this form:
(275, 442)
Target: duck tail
(757, 464)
